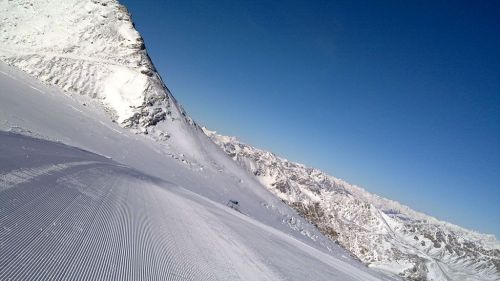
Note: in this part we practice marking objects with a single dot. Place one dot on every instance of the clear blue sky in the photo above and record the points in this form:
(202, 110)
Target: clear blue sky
(400, 97)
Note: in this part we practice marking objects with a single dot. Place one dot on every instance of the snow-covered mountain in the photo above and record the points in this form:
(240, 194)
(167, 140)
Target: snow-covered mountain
(91, 48)
(382, 233)
(103, 94)
(150, 181)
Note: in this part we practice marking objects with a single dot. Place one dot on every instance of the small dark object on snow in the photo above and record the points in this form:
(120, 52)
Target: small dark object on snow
(233, 205)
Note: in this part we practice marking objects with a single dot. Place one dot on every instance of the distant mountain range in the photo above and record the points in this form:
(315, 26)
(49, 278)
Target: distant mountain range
(380, 232)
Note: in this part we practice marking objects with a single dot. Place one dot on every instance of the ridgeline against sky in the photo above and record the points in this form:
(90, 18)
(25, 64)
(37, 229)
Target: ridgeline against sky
(401, 98)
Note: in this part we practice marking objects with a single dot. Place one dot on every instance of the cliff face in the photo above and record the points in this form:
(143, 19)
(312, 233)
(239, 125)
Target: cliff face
(89, 48)
(382, 233)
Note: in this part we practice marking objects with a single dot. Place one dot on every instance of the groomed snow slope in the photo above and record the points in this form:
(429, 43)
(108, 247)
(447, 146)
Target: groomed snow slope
(134, 226)
(67, 214)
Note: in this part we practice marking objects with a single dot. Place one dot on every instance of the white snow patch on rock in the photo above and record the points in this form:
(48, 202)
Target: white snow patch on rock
(123, 91)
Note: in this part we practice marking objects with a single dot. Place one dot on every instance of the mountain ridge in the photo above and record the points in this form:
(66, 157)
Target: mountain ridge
(91, 48)
(427, 245)
(174, 139)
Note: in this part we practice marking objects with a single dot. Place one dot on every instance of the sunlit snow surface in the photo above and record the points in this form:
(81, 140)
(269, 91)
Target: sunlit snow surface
(69, 214)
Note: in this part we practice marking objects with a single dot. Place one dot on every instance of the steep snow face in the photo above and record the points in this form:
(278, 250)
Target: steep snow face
(67, 214)
(89, 48)
(382, 233)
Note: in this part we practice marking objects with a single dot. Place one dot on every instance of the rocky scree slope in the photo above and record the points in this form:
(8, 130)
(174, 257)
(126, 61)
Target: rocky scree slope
(382, 233)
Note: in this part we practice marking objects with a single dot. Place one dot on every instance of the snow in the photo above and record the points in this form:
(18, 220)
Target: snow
(384, 234)
(104, 216)
(129, 33)
(146, 199)
(85, 47)
(129, 208)
(123, 91)
(394, 267)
